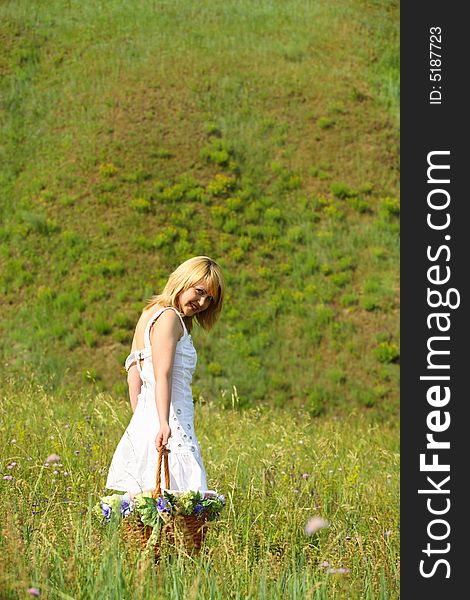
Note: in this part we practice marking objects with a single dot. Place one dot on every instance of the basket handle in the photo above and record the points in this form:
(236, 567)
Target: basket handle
(162, 454)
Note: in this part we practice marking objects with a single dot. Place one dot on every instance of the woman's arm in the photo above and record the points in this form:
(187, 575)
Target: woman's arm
(134, 383)
(163, 338)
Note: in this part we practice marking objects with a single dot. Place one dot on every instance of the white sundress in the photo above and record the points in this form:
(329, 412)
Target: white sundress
(134, 463)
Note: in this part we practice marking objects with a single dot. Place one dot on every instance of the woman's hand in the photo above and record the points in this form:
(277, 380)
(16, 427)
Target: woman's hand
(162, 436)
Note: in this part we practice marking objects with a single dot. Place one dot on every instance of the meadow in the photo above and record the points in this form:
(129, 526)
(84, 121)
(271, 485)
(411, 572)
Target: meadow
(265, 135)
(276, 469)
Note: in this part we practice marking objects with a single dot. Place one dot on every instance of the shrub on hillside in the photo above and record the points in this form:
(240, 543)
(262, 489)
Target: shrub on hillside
(141, 205)
(107, 170)
(389, 208)
(387, 352)
(221, 185)
(342, 190)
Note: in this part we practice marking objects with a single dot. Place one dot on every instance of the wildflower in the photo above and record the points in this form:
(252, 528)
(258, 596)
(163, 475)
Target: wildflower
(340, 570)
(34, 591)
(222, 498)
(106, 510)
(305, 476)
(53, 458)
(314, 524)
(8, 477)
(198, 509)
(210, 494)
(13, 441)
(162, 506)
(126, 507)
(324, 564)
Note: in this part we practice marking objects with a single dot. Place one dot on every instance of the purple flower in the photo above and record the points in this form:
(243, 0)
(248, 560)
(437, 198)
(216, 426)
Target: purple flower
(305, 476)
(34, 591)
(222, 498)
(198, 509)
(126, 508)
(106, 510)
(324, 564)
(162, 506)
(8, 477)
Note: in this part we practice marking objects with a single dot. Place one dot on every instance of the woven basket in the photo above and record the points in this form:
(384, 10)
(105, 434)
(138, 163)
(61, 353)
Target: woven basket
(186, 531)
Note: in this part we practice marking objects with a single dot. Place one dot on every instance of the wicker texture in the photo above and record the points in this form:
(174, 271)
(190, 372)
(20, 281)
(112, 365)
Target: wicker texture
(188, 531)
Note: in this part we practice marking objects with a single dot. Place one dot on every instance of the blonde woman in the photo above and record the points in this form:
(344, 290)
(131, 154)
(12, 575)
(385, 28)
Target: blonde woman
(160, 369)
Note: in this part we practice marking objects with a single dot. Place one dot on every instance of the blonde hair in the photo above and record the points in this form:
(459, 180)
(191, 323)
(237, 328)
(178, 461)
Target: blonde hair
(187, 275)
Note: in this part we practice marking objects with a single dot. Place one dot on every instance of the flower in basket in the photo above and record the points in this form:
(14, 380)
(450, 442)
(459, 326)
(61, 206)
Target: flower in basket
(162, 506)
(109, 507)
(170, 504)
(126, 507)
(208, 504)
(198, 509)
(155, 512)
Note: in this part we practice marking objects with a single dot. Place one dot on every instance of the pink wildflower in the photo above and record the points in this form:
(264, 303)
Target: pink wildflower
(340, 570)
(53, 458)
(314, 524)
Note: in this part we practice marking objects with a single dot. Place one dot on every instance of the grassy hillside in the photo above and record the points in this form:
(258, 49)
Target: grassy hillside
(135, 135)
(275, 469)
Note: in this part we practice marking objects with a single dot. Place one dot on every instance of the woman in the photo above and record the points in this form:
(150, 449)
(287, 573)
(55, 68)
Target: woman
(160, 369)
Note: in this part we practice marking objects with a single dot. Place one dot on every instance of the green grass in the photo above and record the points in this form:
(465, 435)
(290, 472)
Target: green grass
(277, 468)
(133, 136)
(136, 136)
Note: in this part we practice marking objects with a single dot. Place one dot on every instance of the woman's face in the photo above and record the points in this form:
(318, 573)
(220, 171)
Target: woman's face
(195, 299)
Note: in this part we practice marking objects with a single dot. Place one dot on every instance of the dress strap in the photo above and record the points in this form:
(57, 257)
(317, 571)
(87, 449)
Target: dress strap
(135, 356)
(152, 320)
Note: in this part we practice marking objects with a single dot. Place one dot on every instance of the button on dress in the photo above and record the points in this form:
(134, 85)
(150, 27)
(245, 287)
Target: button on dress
(134, 463)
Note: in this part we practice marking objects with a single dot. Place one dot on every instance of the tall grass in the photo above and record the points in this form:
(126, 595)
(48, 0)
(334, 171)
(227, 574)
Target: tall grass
(277, 468)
